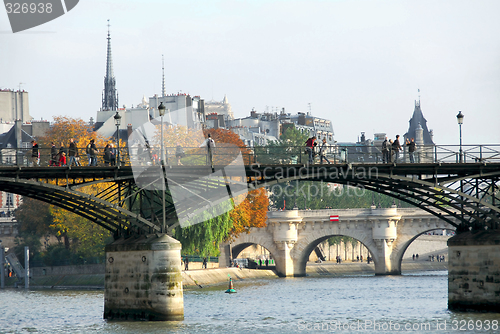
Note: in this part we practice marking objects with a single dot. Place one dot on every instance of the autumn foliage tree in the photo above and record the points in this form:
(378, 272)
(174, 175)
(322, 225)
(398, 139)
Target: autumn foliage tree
(76, 233)
(250, 211)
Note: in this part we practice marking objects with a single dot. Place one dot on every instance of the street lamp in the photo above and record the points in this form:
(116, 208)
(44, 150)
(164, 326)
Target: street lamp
(161, 110)
(118, 119)
(460, 120)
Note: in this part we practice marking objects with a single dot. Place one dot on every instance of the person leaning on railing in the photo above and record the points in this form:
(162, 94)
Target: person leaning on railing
(411, 149)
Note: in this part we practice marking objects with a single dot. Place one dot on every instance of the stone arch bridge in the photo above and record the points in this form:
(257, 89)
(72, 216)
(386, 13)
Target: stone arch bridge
(291, 235)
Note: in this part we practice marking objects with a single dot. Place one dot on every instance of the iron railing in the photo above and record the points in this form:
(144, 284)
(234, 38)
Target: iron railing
(269, 155)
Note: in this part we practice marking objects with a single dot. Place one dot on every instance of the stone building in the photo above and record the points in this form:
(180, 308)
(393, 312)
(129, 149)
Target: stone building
(14, 105)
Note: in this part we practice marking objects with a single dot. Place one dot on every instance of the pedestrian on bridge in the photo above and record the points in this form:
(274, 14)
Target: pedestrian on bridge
(385, 151)
(396, 147)
(210, 144)
(53, 155)
(322, 152)
(411, 149)
(35, 154)
(62, 159)
(310, 144)
(73, 153)
(92, 153)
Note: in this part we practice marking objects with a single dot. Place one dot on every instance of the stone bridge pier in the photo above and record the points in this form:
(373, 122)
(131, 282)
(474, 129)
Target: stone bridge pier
(290, 236)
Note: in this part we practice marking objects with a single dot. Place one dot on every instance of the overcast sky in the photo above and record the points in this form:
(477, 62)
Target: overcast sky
(358, 63)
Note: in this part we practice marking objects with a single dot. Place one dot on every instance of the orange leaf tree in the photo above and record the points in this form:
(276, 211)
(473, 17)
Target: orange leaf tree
(204, 238)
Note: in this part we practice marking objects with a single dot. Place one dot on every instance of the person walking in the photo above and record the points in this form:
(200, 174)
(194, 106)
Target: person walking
(205, 262)
(179, 153)
(72, 153)
(322, 152)
(210, 144)
(411, 149)
(92, 153)
(53, 155)
(107, 155)
(310, 144)
(112, 157)
(385, 151)
(35, 154)
(186, 263)
(396, 147)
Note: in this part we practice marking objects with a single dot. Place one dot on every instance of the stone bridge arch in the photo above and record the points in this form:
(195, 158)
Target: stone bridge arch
(412, 228)
(315, 233)
(291, 236)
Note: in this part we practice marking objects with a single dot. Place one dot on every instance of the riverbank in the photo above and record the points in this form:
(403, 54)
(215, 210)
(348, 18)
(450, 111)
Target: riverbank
(83, 278)
(363, 268)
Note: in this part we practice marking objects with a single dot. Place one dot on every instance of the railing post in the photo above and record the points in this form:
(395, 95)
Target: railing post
(26, 267)
(435, 153)
(2, 266)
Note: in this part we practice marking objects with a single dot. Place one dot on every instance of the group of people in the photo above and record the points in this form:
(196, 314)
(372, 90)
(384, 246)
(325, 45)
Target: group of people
(204, 264)
(311, 146)
(391, 149)
(60, 157)
(70, 156)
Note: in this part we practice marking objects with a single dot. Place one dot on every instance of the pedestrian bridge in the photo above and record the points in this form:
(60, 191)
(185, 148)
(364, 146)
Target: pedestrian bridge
(291, 235)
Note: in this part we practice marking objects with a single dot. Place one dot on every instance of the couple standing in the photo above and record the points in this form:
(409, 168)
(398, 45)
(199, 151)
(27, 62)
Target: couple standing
(310, 146)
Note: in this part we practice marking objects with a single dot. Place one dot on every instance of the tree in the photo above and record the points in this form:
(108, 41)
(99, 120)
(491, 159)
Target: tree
(33, 217)
(77, 233)
(80, 234)
(63, 129)
(252, 212)
(204, 238)
(288, 149)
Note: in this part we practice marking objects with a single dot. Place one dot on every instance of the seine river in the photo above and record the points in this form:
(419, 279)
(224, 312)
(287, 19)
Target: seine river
(359, 304)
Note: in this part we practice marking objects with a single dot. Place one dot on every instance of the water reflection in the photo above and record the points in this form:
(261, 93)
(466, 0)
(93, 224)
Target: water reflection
(260, 306)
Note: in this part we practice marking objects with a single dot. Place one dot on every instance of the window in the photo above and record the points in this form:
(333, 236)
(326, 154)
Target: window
(9, 202)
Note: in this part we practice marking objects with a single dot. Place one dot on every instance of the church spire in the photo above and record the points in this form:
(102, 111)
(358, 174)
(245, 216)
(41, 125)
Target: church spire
(162, 76)
(109, 95)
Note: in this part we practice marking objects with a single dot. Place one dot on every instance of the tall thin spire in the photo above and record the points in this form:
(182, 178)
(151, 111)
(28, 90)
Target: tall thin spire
(109, 95)
(162, 76)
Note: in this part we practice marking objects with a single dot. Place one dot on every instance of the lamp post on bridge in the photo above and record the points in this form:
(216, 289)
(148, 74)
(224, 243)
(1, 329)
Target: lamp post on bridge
(460, 120)
(118, 119)
(161, 110)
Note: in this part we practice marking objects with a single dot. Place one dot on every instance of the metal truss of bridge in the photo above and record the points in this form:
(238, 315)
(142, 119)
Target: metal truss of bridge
(464, 192)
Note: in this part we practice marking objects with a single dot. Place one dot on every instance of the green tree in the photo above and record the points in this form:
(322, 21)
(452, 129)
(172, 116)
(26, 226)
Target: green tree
(288, 149)
(204, 238)
(316, 195)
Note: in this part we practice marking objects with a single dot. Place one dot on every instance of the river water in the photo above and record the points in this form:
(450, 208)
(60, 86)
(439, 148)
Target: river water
(414, 302)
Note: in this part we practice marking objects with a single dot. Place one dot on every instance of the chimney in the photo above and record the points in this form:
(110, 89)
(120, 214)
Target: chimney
(129, 129)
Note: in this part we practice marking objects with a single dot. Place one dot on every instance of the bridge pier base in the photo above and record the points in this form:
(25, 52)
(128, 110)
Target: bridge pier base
(143, 279)
(384, 232)
(284, 262)
(474, 271)
(386, 264)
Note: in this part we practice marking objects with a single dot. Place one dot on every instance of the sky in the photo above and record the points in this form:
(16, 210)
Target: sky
(359, 63)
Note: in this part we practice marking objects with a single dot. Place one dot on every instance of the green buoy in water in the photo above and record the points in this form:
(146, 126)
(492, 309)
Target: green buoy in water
(231, 288)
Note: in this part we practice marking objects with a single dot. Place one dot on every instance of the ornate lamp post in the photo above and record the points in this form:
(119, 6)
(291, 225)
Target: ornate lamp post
(118, 119)
(161, 110)
(460, 120)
